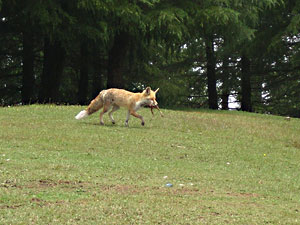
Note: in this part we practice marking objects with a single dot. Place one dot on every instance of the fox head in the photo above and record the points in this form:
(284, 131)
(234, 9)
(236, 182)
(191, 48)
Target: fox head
(150, 96)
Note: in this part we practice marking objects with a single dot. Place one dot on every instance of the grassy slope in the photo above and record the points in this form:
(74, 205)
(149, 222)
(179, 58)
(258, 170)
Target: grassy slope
(225, 167)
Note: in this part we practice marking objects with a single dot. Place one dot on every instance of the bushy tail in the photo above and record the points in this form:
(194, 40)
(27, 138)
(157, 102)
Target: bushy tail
(81, 115)
(94, 106)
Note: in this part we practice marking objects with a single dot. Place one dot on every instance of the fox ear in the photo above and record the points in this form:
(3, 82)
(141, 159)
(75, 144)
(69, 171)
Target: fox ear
(148, 91)
(156, 90)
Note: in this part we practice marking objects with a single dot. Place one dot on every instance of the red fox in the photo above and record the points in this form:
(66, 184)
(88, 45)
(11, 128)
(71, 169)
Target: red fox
(117, 98)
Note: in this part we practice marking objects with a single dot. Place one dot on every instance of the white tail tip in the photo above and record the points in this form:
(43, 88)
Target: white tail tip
(81, 115)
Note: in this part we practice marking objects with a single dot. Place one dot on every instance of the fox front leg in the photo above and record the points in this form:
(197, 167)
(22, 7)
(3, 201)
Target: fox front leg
(138, 116)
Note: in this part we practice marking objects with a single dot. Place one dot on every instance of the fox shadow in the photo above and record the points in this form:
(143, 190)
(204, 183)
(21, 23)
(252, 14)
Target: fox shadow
(119, 125)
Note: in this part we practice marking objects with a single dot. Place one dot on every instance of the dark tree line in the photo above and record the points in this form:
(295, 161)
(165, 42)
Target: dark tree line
(200, 53)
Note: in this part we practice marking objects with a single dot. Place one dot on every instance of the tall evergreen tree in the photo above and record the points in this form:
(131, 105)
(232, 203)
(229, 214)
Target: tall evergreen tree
(28, 79)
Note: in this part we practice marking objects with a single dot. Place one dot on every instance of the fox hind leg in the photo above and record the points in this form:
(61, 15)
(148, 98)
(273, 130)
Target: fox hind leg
(127, 118)
(105, 109)
(115, 108)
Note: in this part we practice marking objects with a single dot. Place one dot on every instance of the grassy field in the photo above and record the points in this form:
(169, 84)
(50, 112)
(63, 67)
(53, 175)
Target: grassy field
(224, 167)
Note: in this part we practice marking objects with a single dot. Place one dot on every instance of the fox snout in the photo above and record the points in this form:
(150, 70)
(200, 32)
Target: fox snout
(153, 103)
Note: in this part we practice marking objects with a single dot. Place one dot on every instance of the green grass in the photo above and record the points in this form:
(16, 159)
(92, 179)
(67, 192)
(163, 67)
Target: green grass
(225, 167)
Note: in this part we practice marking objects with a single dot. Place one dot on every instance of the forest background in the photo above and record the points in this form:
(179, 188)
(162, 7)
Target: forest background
(199, 53)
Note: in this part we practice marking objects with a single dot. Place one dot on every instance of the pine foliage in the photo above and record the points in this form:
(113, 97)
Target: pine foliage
(163, 45)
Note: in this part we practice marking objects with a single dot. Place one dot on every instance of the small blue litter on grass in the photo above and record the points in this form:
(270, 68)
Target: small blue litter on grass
(169, 185)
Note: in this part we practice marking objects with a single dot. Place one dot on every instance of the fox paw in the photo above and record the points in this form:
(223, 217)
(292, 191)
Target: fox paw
(143, 123)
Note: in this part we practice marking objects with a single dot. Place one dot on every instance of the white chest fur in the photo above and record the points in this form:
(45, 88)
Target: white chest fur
(141, 103)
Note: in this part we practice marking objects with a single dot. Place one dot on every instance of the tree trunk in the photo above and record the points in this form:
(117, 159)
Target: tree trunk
(246, 85)
(117, 61)
(225, 102)
(98, 74)
(28, 81)
(54, 57)
(211, 75)
(257, 81)
(225, 84)
(84, 74)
